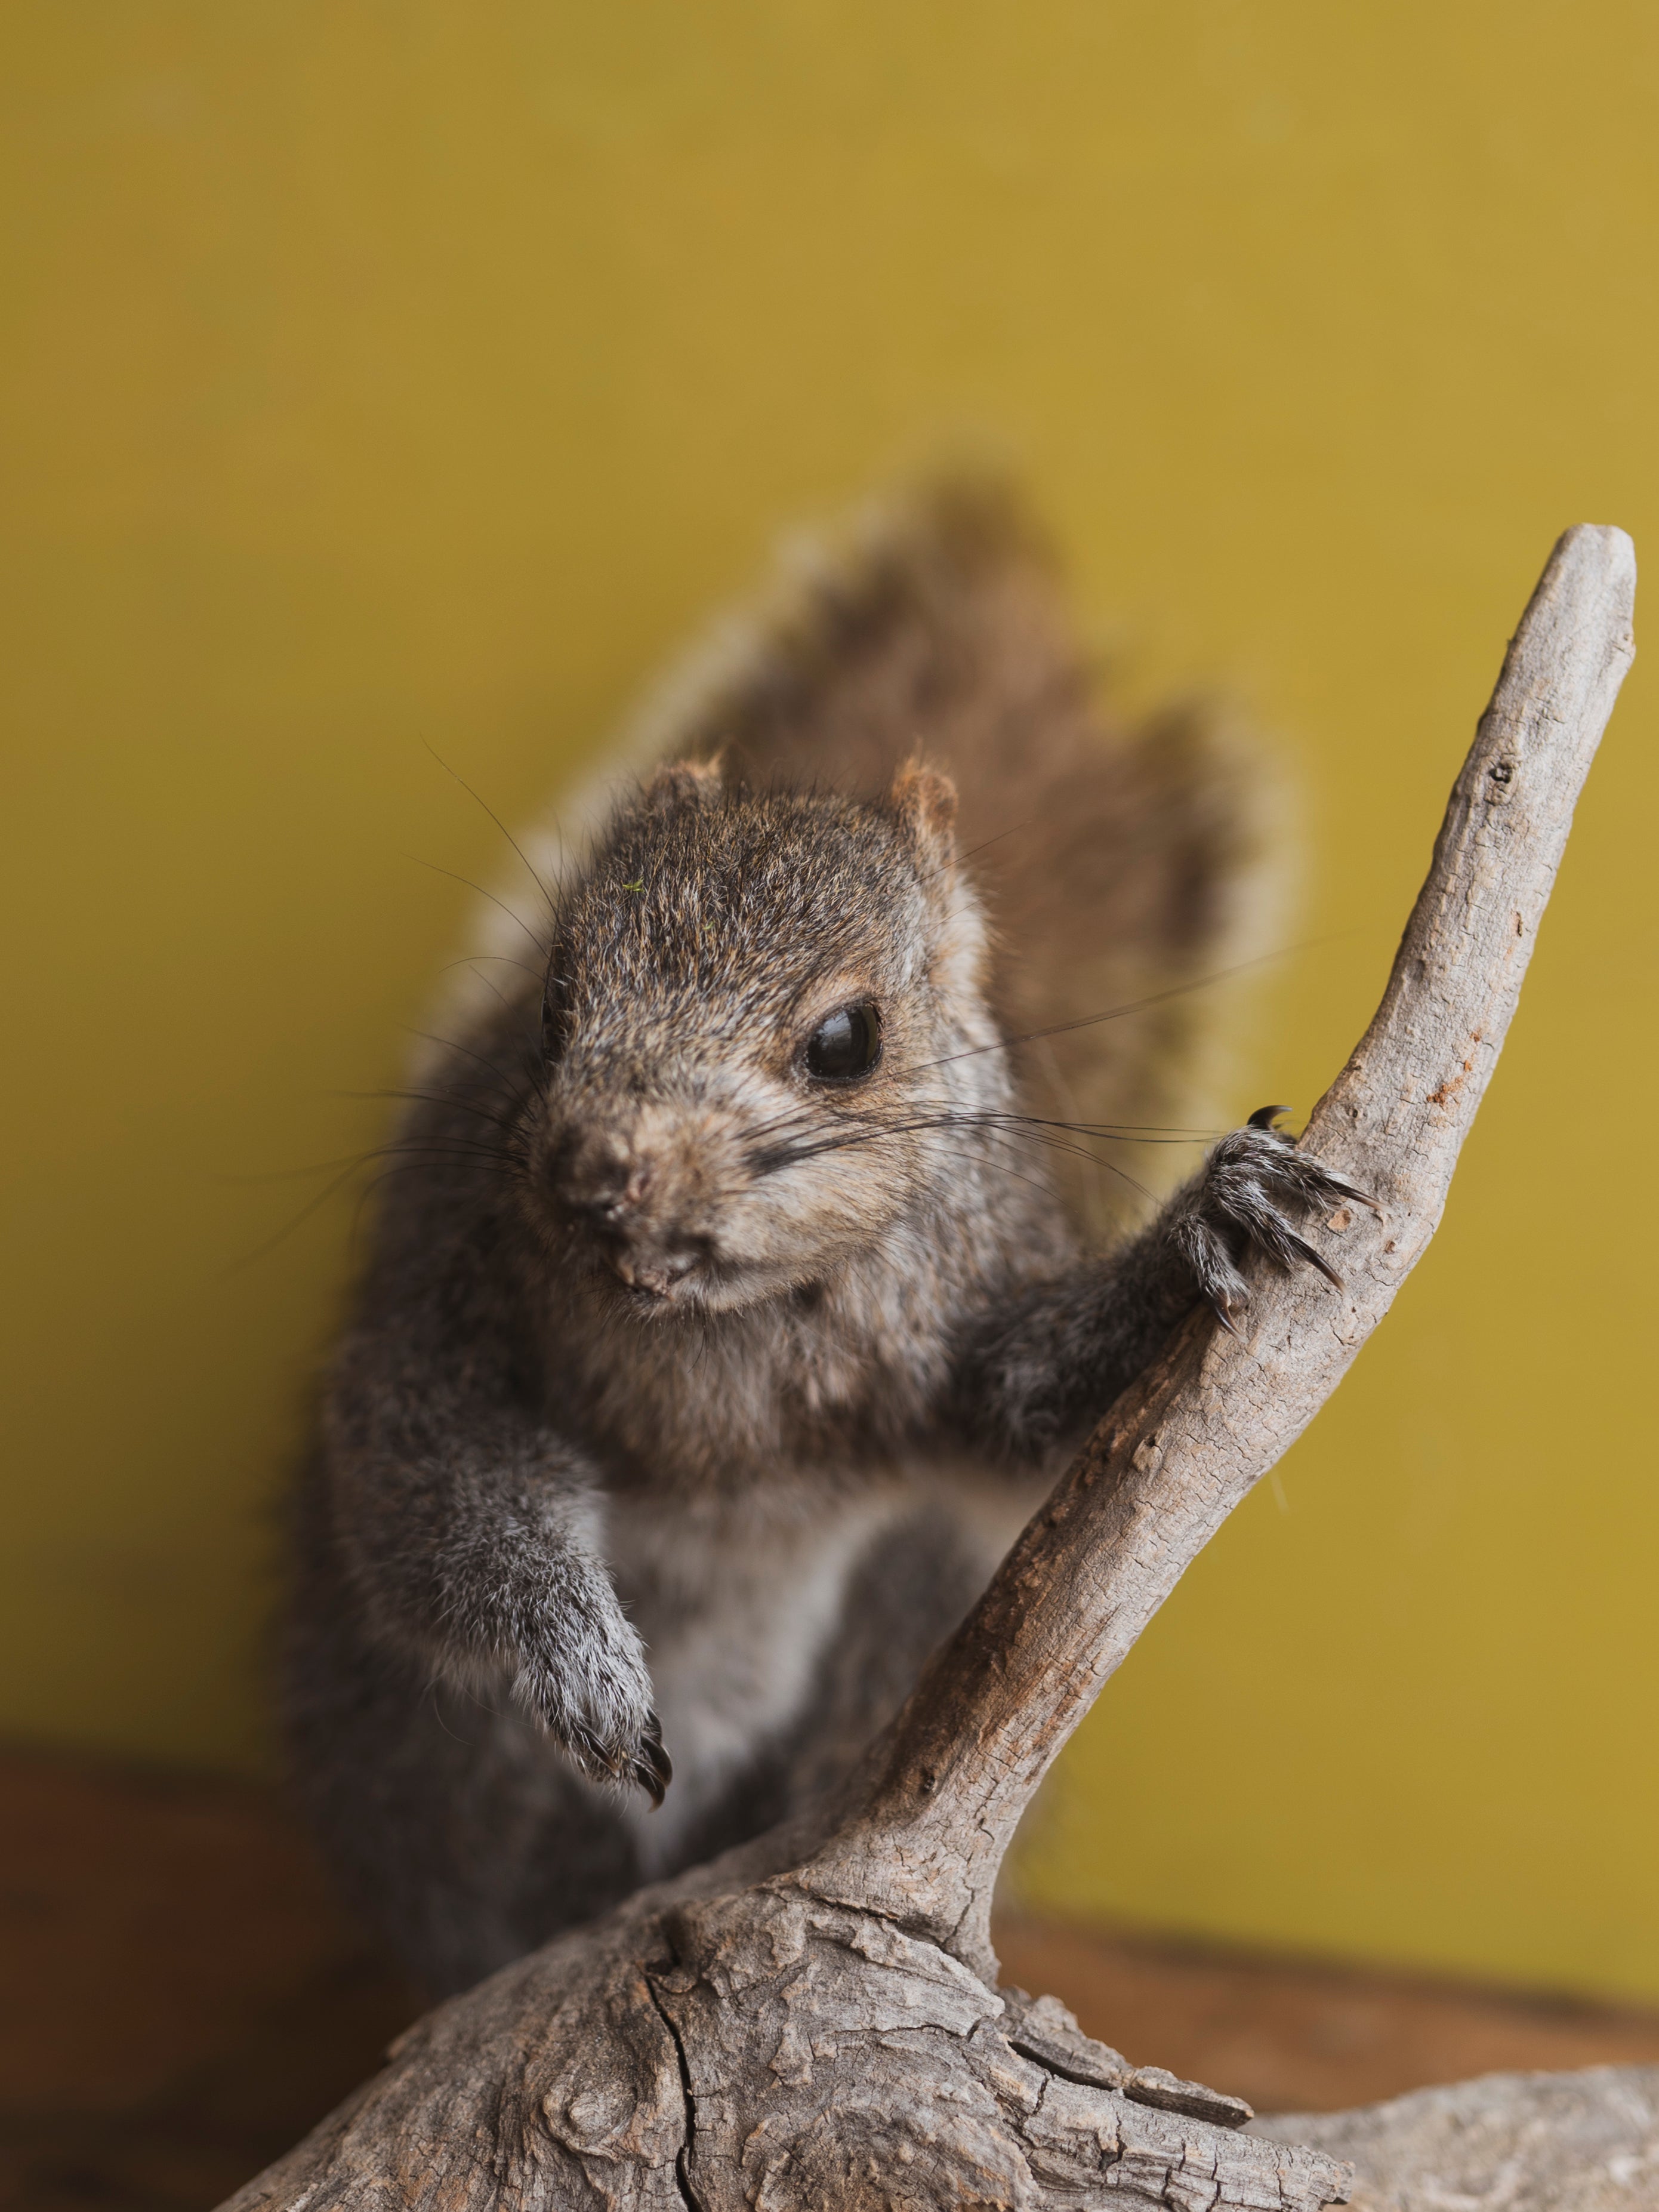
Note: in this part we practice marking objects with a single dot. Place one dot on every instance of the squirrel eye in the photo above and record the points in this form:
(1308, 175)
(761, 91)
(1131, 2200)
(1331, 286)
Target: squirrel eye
(845, 1044)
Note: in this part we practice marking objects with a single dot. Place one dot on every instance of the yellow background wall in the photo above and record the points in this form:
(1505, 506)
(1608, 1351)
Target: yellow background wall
(381, 375)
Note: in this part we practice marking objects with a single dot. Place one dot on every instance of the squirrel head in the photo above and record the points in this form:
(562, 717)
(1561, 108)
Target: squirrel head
(763, 1009)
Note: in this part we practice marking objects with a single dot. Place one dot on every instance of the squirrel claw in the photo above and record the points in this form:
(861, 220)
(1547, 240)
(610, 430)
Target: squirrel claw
(647, 1765)
(651, 1767)
(1253, 1182)
(1321, 1186)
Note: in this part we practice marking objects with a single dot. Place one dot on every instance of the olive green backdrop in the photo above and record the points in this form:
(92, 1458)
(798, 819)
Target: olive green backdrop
(387, 376)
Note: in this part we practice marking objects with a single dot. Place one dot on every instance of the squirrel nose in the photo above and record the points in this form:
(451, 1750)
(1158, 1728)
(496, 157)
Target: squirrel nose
(604, 1178)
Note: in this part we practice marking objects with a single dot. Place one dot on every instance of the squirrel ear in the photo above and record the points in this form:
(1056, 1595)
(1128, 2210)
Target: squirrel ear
(924, 800)
(685, 779)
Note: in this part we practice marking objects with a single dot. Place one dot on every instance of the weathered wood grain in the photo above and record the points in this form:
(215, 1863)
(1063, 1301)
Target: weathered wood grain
(1584, 2141)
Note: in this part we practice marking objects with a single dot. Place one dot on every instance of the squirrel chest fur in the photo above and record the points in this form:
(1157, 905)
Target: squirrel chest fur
(725, 1318)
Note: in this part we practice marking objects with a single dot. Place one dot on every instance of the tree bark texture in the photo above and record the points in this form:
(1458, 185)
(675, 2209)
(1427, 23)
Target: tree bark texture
(813, 2022)
(1586, 2142)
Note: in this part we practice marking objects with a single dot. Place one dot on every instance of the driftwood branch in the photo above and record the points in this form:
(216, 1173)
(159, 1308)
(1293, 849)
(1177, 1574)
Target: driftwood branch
(813, 2022)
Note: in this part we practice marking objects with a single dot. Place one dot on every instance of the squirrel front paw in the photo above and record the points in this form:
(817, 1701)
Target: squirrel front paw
(1235, 1207)
(582, 1674)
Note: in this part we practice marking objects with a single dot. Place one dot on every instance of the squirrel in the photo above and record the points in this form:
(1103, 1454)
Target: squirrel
(735, 1299)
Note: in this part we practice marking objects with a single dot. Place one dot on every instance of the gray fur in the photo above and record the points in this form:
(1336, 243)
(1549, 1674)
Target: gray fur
(683, 1384)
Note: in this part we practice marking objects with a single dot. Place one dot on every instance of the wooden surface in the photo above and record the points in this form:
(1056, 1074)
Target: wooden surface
(182, 2001)
(179, 1998)
(1587, 2142)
